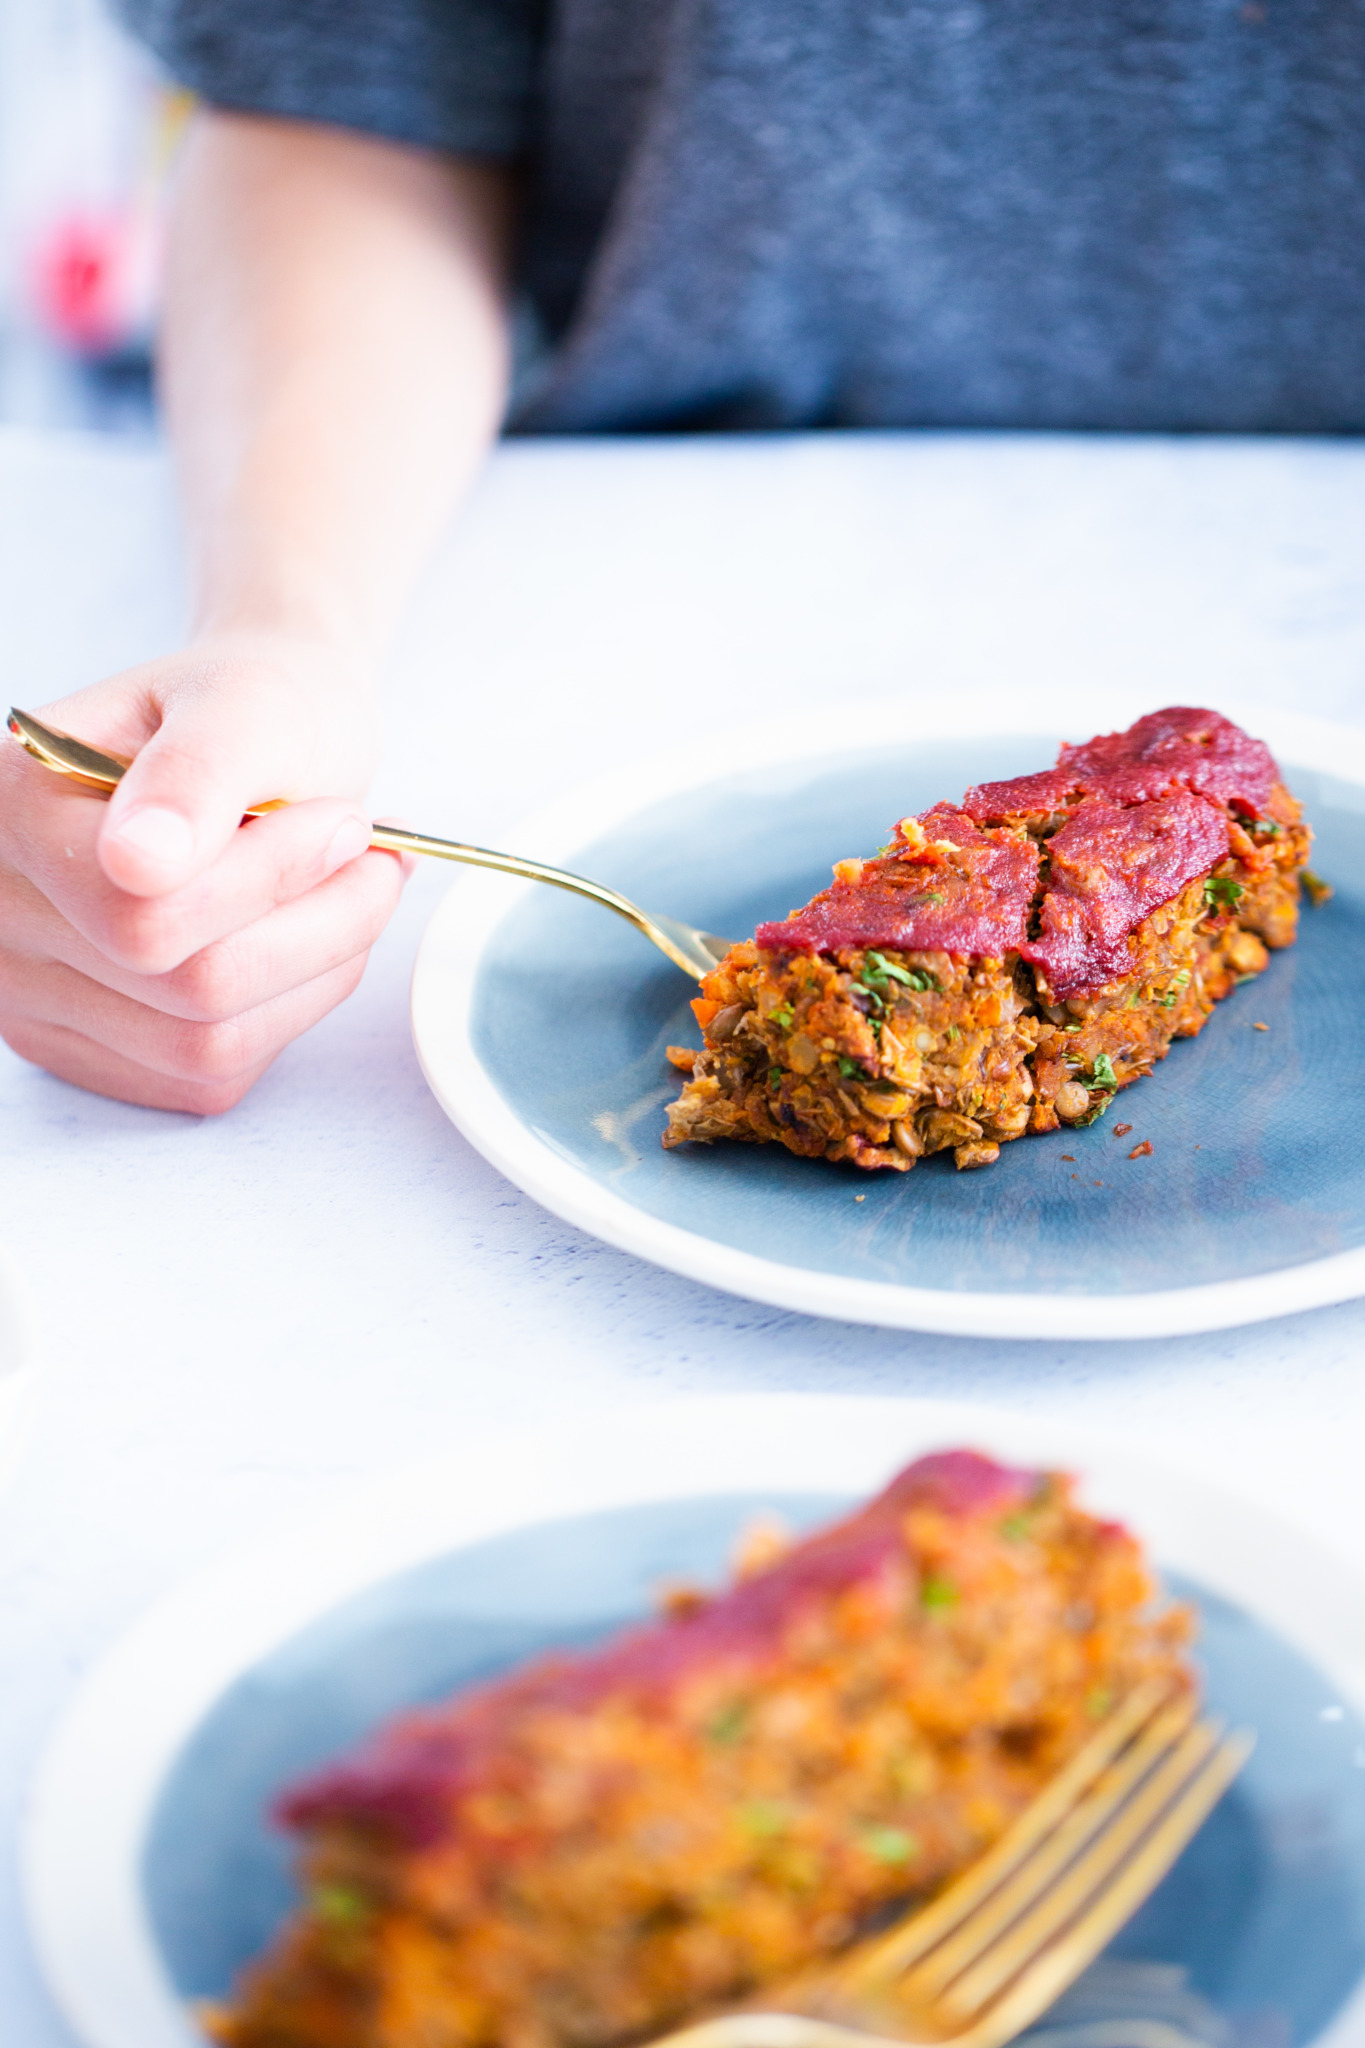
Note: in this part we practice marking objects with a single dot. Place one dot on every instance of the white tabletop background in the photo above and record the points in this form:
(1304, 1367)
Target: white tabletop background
(241, 1317)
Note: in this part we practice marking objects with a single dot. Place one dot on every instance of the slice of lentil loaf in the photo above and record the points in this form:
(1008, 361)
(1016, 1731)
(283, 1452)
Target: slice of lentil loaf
(591, 1849)
(1008, 963)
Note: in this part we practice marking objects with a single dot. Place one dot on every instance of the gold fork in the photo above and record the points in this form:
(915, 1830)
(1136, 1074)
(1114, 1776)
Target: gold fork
(696, 952)
(992, 1952)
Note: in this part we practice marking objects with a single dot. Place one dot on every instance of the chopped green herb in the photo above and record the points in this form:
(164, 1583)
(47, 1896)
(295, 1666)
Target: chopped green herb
(953, 1034)
(338, 1906)
(937, 1594)
(1267, 826)
(850, 1069)
(774, 1077)
(1221, 889)
(762, 1817)
(878, 971)
(889, 1845)
(730, 1723)
(1102, 1067)
(882, 967)
(934, 896)
(782, 1016)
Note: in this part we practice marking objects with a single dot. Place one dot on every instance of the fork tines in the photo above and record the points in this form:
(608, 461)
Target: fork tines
(994, 1950)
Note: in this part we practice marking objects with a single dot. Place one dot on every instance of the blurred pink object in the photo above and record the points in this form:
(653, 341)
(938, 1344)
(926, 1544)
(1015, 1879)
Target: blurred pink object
(93, 279)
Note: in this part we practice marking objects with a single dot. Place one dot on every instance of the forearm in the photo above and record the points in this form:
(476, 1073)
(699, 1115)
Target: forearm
(334, 365)
(334, 368)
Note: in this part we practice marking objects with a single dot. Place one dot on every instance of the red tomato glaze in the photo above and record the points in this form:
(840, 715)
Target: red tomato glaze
(963, 891)
(1111, 865)
(1143, 812)
(1051, 789)
(1178, 748)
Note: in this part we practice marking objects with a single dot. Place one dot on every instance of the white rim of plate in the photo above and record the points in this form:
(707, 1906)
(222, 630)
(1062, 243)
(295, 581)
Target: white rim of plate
(443, 989)
(18, 1360)
(97, 1784)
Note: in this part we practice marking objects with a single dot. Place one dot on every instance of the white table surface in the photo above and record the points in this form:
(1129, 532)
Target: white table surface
(241, 1317)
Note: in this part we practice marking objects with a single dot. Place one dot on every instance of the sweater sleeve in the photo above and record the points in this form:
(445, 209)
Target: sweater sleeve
(443, 74)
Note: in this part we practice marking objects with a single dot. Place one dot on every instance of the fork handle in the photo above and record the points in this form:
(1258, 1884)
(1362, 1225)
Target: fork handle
(92, 768)
(397, 839)
(95, 769)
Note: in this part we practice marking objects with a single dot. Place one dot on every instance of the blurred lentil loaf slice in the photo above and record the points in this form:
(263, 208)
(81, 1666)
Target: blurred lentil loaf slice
(593, 1847)
(1006, 964)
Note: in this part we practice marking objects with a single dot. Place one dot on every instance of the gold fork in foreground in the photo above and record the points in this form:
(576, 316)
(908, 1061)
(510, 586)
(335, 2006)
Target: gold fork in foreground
(993, 1951)
(696, 952)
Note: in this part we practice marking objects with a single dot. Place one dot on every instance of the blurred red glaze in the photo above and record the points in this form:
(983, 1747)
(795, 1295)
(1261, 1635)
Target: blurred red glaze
(404, 1782)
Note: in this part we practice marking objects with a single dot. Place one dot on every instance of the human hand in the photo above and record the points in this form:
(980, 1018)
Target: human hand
(153, 947)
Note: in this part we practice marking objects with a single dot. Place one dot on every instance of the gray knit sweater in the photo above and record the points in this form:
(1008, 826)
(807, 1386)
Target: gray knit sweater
(780, 213)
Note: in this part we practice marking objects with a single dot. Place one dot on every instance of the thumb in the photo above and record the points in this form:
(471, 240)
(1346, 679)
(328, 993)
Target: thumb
(184, 796)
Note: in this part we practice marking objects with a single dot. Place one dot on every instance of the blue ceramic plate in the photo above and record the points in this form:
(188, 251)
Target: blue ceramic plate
(1261, 1924)
(152, 1876)
(542, 1025)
